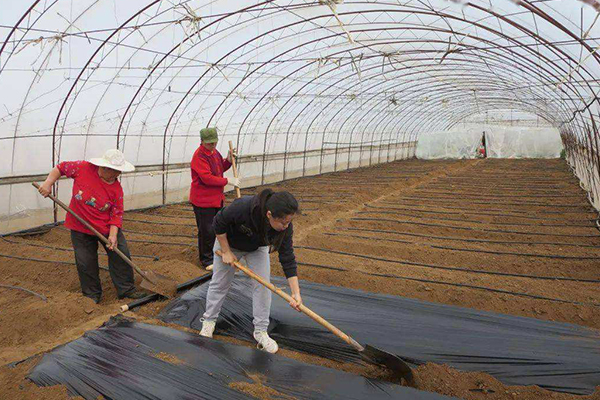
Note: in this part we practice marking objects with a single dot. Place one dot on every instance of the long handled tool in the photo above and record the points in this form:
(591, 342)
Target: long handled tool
(234, 168)
(368, 353)
(151, 281)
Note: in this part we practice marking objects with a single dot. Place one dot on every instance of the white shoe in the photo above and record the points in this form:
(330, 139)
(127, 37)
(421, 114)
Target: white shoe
(265, 342)
(208, 327)
(209, 268)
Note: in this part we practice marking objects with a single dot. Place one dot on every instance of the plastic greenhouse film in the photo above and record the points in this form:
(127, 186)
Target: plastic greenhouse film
(516, 350)
(127, 360)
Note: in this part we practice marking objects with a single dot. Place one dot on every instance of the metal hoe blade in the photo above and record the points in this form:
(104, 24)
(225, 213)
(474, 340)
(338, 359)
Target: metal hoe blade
(390, 361)
(159, 284)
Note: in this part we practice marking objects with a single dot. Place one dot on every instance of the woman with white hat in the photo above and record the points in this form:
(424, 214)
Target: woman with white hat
(98, 199)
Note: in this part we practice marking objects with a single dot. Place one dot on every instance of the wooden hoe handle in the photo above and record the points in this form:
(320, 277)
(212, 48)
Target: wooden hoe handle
(316, 317)
(234, 167)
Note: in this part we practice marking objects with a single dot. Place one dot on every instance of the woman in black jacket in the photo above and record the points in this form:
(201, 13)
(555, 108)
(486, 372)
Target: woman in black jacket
(247, 228)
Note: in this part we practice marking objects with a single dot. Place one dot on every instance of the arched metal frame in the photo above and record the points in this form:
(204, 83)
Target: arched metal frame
(412, 67)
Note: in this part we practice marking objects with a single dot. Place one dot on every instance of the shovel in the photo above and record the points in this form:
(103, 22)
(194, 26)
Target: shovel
(151, 281)
(368, 353)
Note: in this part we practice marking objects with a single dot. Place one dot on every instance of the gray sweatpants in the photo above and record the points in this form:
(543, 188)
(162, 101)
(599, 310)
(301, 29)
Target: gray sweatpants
(259, 262)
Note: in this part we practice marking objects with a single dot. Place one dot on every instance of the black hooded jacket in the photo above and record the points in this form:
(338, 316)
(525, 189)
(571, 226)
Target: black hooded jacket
(247, 229)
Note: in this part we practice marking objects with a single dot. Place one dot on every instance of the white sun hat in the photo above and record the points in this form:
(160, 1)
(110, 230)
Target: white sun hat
(113, 159)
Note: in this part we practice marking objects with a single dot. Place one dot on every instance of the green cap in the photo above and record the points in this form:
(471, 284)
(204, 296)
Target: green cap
(209, 135)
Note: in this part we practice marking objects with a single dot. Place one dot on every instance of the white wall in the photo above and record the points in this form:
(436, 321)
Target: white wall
(22, 208)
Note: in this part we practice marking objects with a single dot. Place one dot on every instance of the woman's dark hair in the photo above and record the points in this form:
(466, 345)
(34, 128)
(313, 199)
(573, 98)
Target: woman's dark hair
(280, 204)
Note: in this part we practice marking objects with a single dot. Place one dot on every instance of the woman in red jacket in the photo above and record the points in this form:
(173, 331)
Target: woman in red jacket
(98, 199)
(206, 191)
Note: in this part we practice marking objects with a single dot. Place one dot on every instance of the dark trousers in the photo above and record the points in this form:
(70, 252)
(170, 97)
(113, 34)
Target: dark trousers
(86, 258)
(206, 233)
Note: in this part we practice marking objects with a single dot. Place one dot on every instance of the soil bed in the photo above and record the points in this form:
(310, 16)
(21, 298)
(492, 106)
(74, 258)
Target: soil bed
(485, 234)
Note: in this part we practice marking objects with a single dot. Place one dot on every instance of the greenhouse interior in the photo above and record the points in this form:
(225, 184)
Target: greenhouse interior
(300, 199)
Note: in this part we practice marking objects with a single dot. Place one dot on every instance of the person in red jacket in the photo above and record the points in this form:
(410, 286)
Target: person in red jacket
(206, 191)
(98, 199)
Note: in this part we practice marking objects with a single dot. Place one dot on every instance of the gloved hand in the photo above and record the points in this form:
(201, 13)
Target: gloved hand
(234, 181)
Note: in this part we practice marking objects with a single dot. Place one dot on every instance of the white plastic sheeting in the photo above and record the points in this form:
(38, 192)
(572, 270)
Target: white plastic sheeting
(448, 144)
(589, 175)
(523, 142)
(312, 86)
(501, 142)
(22, 208)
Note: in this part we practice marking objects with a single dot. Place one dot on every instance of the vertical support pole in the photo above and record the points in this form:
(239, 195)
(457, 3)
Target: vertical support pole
(164, 162)
(371, 149)
(337, 142)
(304, 160)
(264, 155)
(349, 151)
(322, 149)
(285, 152)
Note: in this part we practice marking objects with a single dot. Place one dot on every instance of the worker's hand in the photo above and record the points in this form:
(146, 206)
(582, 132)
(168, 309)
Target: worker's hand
(228, 257)
(112, 242)
(232, 155)
(234, 181)
(296, 301)
(45, 189)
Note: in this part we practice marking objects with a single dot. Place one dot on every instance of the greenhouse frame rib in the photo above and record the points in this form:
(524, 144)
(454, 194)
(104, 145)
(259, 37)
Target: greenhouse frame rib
(386, 71)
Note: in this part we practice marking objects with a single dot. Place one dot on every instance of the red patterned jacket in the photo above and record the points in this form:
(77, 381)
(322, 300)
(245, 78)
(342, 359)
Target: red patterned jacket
(207, 178)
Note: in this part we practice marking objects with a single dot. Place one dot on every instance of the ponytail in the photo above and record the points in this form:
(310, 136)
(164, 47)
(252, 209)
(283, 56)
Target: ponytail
(263, 197)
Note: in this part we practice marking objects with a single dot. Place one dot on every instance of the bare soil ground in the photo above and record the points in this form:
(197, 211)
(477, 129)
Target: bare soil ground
(508, 236)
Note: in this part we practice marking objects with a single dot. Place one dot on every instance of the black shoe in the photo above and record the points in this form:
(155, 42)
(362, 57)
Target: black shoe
(134, 294)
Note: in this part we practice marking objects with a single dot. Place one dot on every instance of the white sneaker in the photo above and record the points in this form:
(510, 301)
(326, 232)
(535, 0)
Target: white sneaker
(209, 268)
(208, 327)
(265, 342)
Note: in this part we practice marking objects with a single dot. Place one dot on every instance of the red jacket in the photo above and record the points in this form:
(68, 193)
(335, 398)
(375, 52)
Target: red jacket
(97, 202)
(207, 178)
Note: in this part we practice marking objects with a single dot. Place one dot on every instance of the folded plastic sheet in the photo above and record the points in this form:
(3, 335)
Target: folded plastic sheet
(515, 350)
(126, 360)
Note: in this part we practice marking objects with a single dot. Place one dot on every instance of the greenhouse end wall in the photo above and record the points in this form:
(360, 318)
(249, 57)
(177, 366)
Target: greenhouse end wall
(501, 142)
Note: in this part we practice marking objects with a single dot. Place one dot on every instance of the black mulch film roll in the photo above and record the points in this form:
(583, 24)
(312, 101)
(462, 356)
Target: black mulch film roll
(127, 360)
(516, 350)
